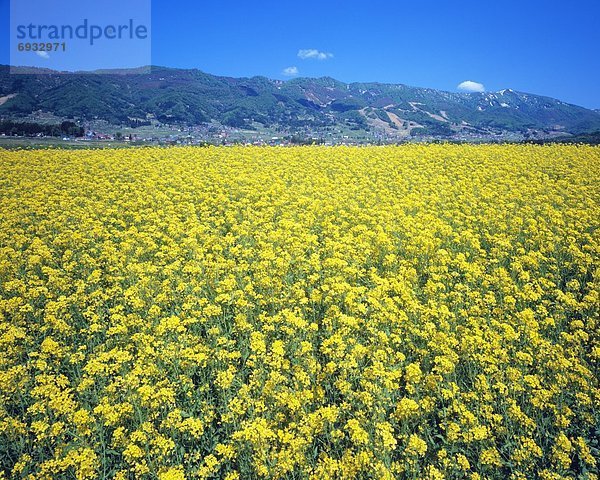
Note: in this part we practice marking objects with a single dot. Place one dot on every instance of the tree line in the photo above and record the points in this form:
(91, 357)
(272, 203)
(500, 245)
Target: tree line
(29, 129)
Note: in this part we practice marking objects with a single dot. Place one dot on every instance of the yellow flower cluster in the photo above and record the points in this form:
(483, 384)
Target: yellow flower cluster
(425, 311)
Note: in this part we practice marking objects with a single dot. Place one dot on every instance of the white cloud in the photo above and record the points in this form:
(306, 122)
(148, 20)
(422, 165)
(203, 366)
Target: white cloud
(43, 54)
(469, 86)
(314, 53)
(291, 71)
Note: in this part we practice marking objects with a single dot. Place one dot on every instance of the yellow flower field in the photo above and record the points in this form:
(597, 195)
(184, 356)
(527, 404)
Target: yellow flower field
(424, 311)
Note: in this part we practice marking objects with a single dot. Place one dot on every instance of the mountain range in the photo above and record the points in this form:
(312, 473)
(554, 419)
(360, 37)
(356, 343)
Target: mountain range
(192, 97)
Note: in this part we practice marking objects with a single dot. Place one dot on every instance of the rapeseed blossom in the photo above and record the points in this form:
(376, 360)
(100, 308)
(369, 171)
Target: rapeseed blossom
(424, 311)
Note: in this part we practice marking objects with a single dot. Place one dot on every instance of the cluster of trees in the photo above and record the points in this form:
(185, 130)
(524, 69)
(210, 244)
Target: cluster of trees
(432, 129)
(135, 123)
(29, 129)
(296, 140)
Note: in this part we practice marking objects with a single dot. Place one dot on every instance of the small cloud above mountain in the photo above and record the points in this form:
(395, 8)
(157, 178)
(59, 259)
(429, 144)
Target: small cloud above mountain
(312, 53)
(43, 54)
(470, 86)
(290, 71)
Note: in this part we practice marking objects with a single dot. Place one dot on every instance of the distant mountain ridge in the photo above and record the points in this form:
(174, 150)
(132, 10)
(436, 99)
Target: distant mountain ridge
(192, 97)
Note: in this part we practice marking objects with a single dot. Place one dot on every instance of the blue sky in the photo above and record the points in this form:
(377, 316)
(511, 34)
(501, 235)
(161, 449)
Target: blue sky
(543, 47)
